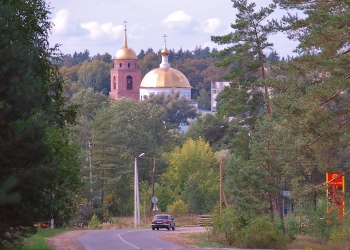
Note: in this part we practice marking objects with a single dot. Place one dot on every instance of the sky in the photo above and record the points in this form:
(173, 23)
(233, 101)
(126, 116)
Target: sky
(97, 25)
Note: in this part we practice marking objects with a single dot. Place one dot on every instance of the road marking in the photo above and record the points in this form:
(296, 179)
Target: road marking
(127, 242)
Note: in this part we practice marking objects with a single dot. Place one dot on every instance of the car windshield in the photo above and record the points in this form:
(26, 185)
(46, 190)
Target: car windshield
(161, 217)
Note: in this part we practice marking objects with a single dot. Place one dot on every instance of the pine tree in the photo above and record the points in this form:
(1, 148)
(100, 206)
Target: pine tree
(246, 55)
(312, 97)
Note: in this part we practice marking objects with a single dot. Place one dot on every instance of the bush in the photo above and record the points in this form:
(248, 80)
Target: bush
(320, 220)
(262, 233)
(94, 222)
(292, 227)
(177, 208)
(342, 232)
(226, 225)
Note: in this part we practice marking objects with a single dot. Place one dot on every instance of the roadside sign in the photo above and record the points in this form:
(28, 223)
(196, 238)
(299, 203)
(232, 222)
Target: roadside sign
(335, 190)
(154, 199)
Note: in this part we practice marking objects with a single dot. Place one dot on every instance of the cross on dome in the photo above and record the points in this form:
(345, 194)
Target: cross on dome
(165, 36)
(125, 39)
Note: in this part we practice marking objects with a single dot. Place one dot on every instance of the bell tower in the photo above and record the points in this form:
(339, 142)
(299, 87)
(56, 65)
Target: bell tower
(125, 75)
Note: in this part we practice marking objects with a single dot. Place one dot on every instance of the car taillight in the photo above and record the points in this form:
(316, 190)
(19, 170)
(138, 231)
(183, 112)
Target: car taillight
(153, 221)
(166, 222)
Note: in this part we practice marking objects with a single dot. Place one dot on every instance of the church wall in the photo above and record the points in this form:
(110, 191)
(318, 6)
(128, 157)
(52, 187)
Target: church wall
(186, 92)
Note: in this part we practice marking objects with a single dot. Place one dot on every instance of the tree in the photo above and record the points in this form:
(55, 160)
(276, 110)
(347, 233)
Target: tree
(121, 131)
(194, 161)
(314, 92)
(96, 75)
(148, 62)
(38, 163)
(176, 109)
(106, 57)
(213, 129)
(246, 57)
(203, 100)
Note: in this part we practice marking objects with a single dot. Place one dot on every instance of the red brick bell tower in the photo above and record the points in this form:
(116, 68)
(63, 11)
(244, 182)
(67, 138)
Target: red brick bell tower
(125, 75)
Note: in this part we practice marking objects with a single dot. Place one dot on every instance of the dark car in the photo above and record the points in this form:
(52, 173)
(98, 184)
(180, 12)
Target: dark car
(163, 221)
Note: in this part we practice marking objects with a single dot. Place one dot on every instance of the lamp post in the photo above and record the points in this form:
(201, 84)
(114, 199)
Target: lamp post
(136, 194)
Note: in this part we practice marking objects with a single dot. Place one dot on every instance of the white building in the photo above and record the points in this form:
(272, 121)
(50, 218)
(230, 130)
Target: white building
(216, 88)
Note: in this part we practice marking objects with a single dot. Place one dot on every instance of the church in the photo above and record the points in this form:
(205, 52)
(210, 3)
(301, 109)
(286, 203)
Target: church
(126, 76)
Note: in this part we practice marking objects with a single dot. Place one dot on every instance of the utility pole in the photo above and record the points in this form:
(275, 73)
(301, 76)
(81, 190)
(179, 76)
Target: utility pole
(90, 164)
(136, 194)
(220, 185)
(153, 177)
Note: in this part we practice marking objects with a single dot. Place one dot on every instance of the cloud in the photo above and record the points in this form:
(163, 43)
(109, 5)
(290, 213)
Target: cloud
(65, 25)
(210, 25)
(103, 31)
(177, 21)
(61, 22)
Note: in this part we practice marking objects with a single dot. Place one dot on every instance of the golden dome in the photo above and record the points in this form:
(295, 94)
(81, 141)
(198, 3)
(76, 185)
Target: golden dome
(164, 52)
(125, 53)
(165, 78)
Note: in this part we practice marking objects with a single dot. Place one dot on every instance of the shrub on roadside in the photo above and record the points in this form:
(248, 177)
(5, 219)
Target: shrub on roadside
(261, 232)
(321, 220)
(226, 225)
(94, 222)
(292, 227)
(177, 208)
(342, 232)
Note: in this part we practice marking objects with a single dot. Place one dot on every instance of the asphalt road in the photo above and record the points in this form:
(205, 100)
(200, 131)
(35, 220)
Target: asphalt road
(144, 239)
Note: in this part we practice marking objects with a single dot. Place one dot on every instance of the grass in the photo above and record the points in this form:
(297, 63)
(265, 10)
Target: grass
(202, 240)
(37, 241)
(309, 242)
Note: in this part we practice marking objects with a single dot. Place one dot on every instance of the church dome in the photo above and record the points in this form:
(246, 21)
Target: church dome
(165, 78)
(125, 53)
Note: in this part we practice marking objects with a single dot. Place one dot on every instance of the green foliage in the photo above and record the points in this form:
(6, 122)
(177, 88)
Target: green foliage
(6, 196)
(312, 96)
(195, 198)
(176, 109)
(37, 160)
(342, 232)
(213, 129)
(226, 225)
(318, 220)
(231, 228)
(177, 208)
(261, 232)
(193, 166)
(292, 227)
(204, 100)
(94, 222)
(245, 57)
(37, 241)
(96, 75)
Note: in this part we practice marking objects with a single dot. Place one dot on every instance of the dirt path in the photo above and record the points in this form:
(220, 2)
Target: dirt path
(69, 240)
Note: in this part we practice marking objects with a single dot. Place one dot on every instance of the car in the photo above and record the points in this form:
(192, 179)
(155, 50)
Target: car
(163, 221)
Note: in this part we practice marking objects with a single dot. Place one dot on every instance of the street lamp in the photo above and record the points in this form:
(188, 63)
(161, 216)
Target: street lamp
(136, 194)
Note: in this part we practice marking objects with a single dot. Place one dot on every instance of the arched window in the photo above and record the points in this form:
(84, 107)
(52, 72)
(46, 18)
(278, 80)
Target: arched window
(114, 83)
(129, 82)
(128, 65)
(120, 65)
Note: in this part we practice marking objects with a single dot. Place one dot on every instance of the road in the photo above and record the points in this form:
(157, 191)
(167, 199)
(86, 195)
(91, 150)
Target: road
(134, 239)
